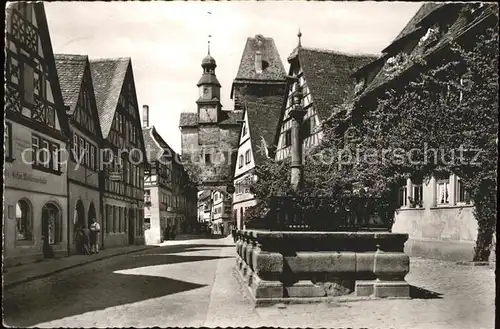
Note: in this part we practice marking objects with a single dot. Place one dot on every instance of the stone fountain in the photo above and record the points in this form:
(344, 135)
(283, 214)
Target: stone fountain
(288, 260)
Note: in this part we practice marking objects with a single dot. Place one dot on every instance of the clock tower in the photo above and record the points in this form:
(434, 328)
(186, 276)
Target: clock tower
(209, 105)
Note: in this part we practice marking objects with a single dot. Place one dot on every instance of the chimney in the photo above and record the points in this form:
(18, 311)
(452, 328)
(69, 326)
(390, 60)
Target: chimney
(145, 116)
(258, 61)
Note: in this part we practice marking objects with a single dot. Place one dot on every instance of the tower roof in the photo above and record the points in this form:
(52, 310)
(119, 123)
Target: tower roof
(272, 66)
(208, 61)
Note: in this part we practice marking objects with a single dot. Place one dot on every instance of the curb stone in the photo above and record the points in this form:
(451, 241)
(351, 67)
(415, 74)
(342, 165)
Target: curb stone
(49, 273)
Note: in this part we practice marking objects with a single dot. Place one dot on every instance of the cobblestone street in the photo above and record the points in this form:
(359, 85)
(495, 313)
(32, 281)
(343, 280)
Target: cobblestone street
(193, 284)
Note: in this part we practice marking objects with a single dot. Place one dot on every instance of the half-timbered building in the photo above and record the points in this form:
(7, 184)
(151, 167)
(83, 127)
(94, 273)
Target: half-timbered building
(36, 138)
(84, 195)
(170, 198)
(123, 151)
(326, 82)
(258, 90)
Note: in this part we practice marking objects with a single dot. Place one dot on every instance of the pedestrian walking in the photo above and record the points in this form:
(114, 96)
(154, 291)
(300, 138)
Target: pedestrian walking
(94, 236)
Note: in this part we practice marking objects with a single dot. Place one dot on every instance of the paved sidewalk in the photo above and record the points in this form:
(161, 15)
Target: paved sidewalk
(446, 295)
(24, 273)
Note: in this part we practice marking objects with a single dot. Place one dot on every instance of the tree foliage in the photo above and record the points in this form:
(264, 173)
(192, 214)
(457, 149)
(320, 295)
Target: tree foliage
(444, 118)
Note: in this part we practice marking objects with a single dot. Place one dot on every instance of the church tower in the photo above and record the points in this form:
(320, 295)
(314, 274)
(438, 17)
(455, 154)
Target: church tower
(209, 105)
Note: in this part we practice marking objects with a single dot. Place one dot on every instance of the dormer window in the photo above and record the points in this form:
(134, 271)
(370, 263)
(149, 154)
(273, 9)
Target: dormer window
(359, 86)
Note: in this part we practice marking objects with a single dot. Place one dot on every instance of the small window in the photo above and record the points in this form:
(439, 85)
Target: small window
(55, 157)
(462, 195)
(244, 129)
(87, 153)
(45, 152)
(75, 146)
(443, 192)
(403, 196)
(8, 141)
(207, 159)
(92, 157)
(28, 84)
(417, 195)
(247, 156)
(241, 161)
(288, 137)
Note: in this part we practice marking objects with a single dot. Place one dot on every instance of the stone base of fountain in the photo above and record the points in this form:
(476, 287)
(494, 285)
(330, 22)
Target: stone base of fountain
(303, 267)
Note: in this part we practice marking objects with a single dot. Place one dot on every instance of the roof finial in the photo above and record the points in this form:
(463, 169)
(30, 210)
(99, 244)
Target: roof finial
(209, 13)
(299, 35)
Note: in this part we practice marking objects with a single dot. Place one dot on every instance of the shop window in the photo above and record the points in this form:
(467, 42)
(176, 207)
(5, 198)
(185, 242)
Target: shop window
(23, 221)
(52, 223)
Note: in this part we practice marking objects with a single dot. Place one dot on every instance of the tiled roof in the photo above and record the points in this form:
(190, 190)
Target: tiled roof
(263, 118)
(425, 10)
(328, 76)
(70, 69)
(108, 76)
(275, 70)
(156, 144)
(188, 119)
(456, 28)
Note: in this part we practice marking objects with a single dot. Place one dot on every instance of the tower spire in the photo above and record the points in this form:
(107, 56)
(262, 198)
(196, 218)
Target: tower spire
(209, 14)
(299, 35)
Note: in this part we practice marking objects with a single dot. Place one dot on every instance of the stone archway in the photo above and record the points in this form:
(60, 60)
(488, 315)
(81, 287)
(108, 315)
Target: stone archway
(91, 214)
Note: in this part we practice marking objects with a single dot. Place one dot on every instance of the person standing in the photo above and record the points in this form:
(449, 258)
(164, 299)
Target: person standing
(94, 236)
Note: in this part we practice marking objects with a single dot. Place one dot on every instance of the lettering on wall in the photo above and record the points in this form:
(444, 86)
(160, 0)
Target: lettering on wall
(26, 177)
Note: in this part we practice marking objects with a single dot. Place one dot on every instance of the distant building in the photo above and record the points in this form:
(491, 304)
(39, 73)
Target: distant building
(204, 206)
(325, 78)
(210, 136)
(440, 219)
(123, 171)
(84, 193)
(258, 91)
(170, 199)
(35, 141)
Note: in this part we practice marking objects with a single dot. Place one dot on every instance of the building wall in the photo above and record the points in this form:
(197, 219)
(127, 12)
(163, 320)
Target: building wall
(37, 188)
(119, 236)
(152, 232)
(445, 232)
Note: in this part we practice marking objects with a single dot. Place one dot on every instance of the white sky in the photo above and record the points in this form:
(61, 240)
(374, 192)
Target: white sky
(167, 40)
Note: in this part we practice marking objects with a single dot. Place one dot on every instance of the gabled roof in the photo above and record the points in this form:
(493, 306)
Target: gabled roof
(70, 69)
(154, 150)
(457, 28)
(108, 76)
(269, 52)
(328, 76)
(263, 117)
(188, 119)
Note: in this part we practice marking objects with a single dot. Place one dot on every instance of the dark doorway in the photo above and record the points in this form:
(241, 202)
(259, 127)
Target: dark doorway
(131, 226)
(80, 214)
(50, 229)
(92, 214)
